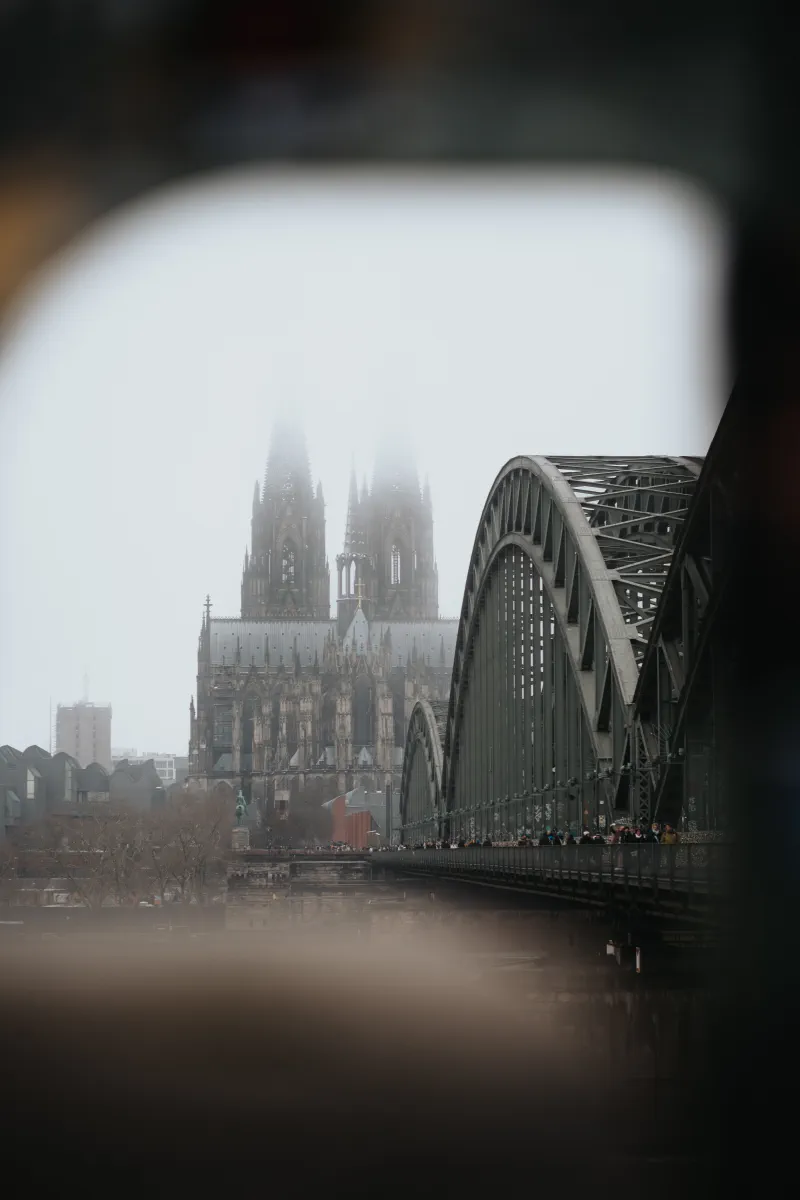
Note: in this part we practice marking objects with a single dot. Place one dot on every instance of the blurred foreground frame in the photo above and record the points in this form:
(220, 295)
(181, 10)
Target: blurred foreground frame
(102, 102)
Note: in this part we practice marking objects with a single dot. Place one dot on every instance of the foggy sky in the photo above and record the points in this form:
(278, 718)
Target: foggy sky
(479, 317)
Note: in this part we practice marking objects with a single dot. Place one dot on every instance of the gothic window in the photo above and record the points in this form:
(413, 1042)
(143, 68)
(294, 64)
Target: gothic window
(395, 565)
(248, 730)
(223, 724)
(363, 703)
(288, 563)
(275, 719)
(291, 732)
(397, 683)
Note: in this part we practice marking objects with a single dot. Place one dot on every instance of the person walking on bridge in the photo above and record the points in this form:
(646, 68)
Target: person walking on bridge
(652, 837)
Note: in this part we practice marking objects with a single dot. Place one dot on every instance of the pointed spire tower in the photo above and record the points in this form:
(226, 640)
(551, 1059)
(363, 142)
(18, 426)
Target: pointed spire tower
(395, 472)
(350, 564)
(351, 532)
(288, 472)
(286, 575)
(405, 585)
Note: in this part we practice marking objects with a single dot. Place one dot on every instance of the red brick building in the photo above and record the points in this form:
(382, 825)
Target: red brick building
(350, 825)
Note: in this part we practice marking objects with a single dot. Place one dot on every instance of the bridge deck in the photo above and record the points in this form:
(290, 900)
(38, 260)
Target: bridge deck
(676, 877)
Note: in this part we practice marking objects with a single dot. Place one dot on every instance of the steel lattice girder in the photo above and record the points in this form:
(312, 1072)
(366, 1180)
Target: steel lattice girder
(681, 671)
(568, 565)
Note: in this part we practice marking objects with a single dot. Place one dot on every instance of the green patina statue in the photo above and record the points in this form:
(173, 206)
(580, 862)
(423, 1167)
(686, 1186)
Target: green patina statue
(241, 807)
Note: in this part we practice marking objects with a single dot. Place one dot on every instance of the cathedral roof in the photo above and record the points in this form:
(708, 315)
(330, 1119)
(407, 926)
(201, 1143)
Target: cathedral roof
(429, 637)
(425, 640)
(280, 636)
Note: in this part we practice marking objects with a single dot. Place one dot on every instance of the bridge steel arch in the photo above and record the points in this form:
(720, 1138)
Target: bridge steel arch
(421, 785)
(568, 566)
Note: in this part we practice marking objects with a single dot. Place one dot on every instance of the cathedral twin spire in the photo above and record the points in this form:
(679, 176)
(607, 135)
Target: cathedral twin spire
(387, 562)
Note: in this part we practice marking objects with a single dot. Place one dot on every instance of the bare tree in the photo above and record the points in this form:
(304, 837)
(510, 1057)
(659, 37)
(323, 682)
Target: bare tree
(8, 871)
(98, 853)
(202, 835)
(184, 843)
(158, 856)
(117, 855)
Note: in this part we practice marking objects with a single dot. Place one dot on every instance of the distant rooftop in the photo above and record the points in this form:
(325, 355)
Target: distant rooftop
(86, 704)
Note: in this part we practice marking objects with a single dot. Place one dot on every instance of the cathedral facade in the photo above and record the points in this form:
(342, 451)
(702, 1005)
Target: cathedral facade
(292, 702)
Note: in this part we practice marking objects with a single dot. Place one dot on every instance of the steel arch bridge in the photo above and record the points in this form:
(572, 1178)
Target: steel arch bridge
(564, 588)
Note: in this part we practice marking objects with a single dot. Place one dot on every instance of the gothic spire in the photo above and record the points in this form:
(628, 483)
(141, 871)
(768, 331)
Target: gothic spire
(395, 469)
(288, 473)
(286, 568)
(351, 529)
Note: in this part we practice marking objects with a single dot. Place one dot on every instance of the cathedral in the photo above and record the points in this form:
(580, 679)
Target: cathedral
(293, 705)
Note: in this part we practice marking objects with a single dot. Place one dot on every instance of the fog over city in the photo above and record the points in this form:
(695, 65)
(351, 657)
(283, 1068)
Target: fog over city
(479, 318)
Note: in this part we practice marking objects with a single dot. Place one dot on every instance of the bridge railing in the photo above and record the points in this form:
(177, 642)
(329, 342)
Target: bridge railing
(699, 867)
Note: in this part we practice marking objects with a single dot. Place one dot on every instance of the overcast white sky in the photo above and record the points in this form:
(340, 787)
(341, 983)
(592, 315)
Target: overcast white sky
(491, 316)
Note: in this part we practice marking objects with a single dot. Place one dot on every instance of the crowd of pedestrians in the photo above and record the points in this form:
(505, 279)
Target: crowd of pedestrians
(620, 835)
(625, 835)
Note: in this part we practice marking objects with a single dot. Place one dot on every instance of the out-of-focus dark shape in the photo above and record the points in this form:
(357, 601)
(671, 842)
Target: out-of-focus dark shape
(130, 96)
(169, 1064)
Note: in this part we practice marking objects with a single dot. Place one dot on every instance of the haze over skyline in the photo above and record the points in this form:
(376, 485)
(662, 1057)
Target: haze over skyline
(475, 317)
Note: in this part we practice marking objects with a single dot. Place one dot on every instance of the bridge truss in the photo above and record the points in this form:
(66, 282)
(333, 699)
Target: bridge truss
(568, 567)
